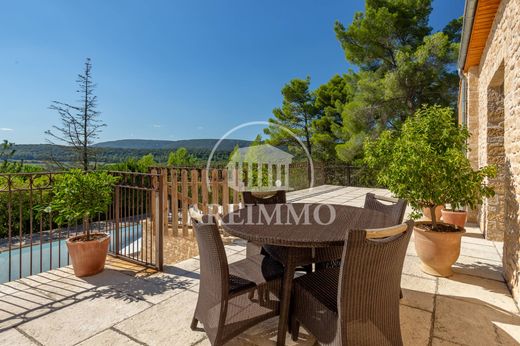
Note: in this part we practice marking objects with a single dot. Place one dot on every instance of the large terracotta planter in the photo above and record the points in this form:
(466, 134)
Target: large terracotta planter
(88, 257)
(437, 250)
(438, 213)
(457, 218)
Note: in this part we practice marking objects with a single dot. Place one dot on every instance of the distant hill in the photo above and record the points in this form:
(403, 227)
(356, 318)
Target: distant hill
(190, 144)
(116, 151)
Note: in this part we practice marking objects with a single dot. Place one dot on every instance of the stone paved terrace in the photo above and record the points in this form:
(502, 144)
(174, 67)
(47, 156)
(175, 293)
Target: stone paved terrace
(128, 305)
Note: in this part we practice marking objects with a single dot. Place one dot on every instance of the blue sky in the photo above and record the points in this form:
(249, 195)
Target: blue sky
(168, 69)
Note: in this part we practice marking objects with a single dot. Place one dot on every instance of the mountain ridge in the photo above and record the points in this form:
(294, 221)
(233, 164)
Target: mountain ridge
(190, 144)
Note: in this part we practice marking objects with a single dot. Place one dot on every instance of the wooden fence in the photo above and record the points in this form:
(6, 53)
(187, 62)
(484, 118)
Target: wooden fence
(208, 191)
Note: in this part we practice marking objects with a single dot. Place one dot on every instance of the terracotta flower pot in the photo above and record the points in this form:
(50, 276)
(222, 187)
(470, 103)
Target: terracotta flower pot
(457, 218)
(438, 213)
(437, 250)
(88, 257)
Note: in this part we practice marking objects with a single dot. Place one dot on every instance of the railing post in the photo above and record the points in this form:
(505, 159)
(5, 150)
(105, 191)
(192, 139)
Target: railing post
(164, 196)
(116, 218)
(158, 222)
(175, 202)
(184, 201)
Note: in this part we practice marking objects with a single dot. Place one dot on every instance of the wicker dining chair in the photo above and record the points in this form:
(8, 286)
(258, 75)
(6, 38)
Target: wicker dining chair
(253, 248)
(358, 303)
(279, 253)
(224, 306)
(393, 207)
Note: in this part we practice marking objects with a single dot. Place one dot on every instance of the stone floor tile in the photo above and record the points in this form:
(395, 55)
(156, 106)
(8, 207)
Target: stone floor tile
(236, 246)
(441, 342)
(479, 251)
(109, 338)
(508, 333)
(14, 337)
(157, 287)
(265, 334)
(412, 267)
(415, 326)
(165, 323)
(192, 264)
(470, 321)
(417, 292)
(23, 306)
(478, 290)
(84, 318)
(484, 268)
(475, 238)
(32, 281)
(108, 277)
(236, 257)
(410, 250)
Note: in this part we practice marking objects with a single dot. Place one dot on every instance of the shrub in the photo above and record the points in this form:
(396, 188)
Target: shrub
(80, 196)
(425, 163)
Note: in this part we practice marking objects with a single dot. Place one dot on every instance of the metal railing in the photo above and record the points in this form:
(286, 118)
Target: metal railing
(31, 242)
(136, 221)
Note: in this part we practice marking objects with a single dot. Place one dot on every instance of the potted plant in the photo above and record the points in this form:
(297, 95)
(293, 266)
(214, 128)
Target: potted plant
(425, 164)
(468, 189)
(79, 196)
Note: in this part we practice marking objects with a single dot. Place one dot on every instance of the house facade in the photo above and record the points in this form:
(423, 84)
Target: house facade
(489, 105)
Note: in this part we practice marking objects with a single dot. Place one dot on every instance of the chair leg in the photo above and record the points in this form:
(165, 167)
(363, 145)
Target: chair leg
(400, 293)
(267, 295)
(194, 323)
(261, 295)
(294, 328)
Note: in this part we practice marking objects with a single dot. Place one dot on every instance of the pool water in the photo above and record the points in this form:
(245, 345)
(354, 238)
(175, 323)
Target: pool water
(57, 251)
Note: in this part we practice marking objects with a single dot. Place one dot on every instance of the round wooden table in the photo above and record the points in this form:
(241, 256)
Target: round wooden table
(299, 225)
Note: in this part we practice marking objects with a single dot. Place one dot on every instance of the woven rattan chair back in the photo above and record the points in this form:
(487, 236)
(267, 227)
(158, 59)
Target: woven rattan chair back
(214, 274)
(250, 199)
(369, 286)
(277, 198)
(396, 207)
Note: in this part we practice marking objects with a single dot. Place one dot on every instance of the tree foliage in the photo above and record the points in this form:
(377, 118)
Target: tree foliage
(425, 164)
(79, 196)
(181, 157)
(297, 114)
(80, 124)
(400, 64)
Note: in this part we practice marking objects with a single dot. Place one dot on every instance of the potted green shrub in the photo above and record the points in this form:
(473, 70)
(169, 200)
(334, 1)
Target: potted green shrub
(426, 165)
(468, 189)
(80, 196)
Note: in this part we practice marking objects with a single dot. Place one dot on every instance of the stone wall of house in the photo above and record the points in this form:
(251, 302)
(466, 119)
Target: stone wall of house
(498, 134)
(472, 125)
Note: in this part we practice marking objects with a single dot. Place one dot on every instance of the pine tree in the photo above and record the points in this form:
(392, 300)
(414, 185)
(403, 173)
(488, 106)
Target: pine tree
(80, 124)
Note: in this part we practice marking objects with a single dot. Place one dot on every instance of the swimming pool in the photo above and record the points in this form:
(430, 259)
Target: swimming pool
(57, 251)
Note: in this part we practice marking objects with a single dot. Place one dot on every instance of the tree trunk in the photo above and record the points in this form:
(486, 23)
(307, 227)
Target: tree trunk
(85, 130)
(309, 149)
(86, 226)
(433, 216)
